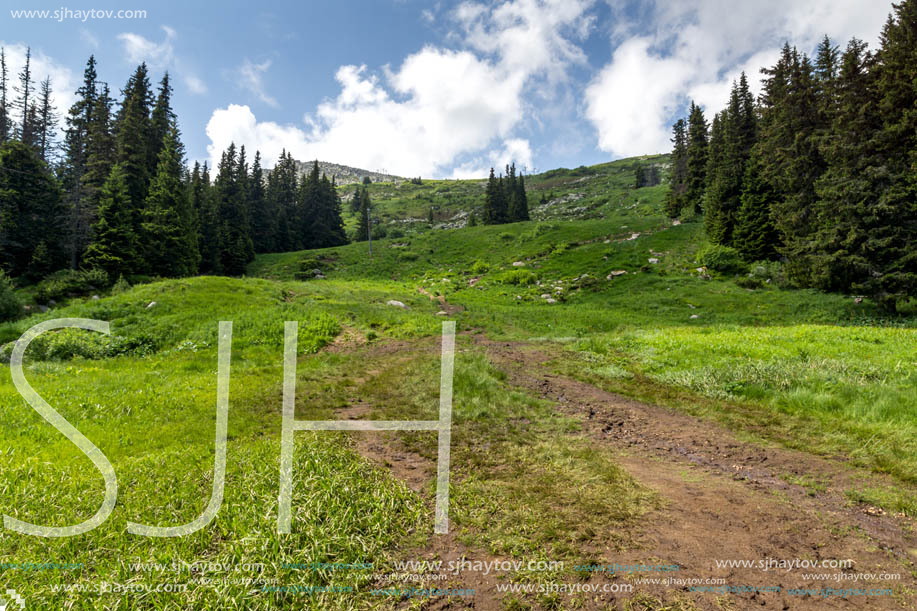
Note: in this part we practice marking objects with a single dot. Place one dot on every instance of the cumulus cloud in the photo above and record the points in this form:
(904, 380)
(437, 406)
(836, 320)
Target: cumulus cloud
(160, 56)
(63, 81)
(440, 105)
(687, 50)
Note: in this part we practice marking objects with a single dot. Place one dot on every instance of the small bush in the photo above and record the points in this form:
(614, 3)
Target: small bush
(479, 267)
(522, 277)
(71, 283)
(721, 259)
(121, 286)
(10, 305)
(506, 236)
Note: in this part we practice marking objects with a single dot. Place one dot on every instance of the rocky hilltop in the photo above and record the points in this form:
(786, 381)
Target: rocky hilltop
(345, 174)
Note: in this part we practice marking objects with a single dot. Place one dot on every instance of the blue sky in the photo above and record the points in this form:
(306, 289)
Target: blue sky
(432, 88)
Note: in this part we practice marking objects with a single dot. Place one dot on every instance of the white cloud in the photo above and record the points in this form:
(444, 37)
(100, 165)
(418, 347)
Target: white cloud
(249, 76)
(63, 82)
(694, 49)
(514, 150)
(160, 56)
(89, 38)
(439, 105)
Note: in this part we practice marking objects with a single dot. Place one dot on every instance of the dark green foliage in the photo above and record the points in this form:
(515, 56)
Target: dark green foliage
(6, 126)
(203, 201)
(31, 211)
(71, 283)
(505, 199)
(363, 226)
(264, 221)
(754, 234)
(235, 249)
(646, 176)
(132, 140)
(169, 238)
(113, 248)
(282, 203)
(10, 305)
(494, 202)
(678, 176)
(696, 160)
(723, 259)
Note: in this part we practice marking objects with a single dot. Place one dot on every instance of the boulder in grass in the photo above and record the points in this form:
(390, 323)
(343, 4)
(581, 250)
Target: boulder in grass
(653, 260)
(395, 303)
(518, 263)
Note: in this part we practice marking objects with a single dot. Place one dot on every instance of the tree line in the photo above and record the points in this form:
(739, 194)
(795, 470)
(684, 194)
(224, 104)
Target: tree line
(820, 171)
(117, 195)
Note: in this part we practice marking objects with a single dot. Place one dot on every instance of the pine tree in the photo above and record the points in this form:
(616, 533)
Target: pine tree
(678, 176)
(5, 118)
(235, 244)
(714, 217)
(494, 201)
(30, 209)
(26, 132)
(893, 217)
(46, 125)
(281, 199)
(132, 132)
(262, 218)
(76, 140)
(204, 203)
(99, 153)
(696, 159)
(754, 235)
(162, 118)
(517, 201)
(169, 248)
(364, 226)
(114, 240)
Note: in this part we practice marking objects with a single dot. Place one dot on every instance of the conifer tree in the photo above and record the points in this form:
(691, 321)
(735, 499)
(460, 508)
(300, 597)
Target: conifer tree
(24, 103)
(696, 159)
(162, 118)
(235, 244)
(678, 176)
(204, 203)
(263, 220)
(30, 209)
(281, 198)
(754, 235)
(364, 226)
(494, 201)
(5, 118)
(169, 247)
(76, 143)
(132, 134)
(114, 240)
(46, 123)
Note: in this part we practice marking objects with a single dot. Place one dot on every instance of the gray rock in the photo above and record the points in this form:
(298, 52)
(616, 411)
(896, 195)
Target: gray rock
(151, 304)
(395, 303)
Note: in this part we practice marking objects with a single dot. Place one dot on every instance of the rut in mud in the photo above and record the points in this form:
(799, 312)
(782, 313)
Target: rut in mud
(723, 499)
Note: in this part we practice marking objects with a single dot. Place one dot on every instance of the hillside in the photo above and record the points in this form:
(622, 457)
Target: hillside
(345, 174)
(610, 401)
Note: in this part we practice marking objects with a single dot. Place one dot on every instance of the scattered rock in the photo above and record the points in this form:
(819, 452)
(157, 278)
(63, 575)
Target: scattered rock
(550, 300)
(546, 296)
(518, 263)
(473, 281)
(858, 299)
(395, 303)
(442, 313)
(151, 304)
(653, 260)
(695, 315)
(319, 276)
(617, 272)
(676, 223)
(633, 236)
(95, 297)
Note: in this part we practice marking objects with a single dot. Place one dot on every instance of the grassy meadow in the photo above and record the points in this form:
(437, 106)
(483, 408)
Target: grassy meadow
(777, 365)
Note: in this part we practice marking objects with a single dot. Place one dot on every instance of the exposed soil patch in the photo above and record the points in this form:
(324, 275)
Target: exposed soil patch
(726, 498)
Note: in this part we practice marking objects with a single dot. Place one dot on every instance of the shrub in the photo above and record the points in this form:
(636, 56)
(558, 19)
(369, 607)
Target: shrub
(71, 283)
(10, 305)
(121, 286)
(721, 259)
(518, 276)
(479, 267)
(506, 236)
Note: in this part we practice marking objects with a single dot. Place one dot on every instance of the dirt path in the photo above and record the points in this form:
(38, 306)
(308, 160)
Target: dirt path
(724, 499)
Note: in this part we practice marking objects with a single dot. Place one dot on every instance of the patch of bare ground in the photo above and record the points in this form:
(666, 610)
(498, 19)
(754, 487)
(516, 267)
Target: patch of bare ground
(726, 500)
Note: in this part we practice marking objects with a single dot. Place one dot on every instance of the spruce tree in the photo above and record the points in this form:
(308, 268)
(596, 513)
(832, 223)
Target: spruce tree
(263, 221)
(890, 247)
(754, 233)
(113, 248)
(31, 211)
(24, 103)
(76, 142)
(235, 244)
(169, 248)
(678, 175)
(494, 201)
(281, 199)
(5, 118)
(203, 199)
(162, 118)
(696, 159)
(46, 125)
(132, 134)
(363, 227)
